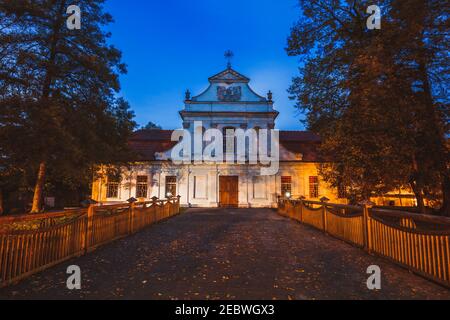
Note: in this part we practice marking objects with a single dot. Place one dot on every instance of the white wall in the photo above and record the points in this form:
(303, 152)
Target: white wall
(254, 190)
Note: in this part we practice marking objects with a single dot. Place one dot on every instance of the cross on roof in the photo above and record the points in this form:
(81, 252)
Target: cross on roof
(229, 56)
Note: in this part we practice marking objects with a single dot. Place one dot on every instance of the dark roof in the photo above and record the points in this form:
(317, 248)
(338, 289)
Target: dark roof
(148, 142)
(305, 142)
(145, 143)
(310, 151)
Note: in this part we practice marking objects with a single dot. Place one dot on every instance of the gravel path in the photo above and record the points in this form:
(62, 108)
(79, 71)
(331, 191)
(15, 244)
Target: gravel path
(227, 254)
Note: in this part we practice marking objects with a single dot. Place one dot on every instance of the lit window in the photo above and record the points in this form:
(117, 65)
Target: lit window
(313, 187)
(142, 187)
(171, 186)
(286, 186)
(112, 188)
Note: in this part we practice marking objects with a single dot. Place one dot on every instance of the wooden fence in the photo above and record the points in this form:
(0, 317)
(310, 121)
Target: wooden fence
(415, 241)
(57, 237)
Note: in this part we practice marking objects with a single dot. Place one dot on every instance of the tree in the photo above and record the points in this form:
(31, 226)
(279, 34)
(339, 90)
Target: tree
(59, 116)
(423, 51)
(152, 126)
(360, 93)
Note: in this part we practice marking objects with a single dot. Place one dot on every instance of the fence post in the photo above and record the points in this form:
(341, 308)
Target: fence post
(301, 209)
(131, 218)
(281, 206)
(296, 210)
(178, 204)
(171, 202)
(89, 227)
(324, 201)
(367, 230)
(289, 208)
(155, 209)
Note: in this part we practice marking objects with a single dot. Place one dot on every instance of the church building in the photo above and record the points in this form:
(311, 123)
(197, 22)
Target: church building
(228, 103)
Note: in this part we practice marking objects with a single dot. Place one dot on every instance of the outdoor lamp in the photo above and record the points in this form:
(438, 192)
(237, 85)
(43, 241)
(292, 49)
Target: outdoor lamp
(169, 195)
(288, 195)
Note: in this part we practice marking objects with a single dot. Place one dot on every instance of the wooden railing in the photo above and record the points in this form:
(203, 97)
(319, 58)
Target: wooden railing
(415, 241)
(56, 237)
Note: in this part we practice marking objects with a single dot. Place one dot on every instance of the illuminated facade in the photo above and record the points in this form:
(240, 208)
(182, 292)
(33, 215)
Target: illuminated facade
(228, 103)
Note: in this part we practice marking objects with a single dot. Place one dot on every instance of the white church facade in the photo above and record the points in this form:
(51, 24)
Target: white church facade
(228, 103)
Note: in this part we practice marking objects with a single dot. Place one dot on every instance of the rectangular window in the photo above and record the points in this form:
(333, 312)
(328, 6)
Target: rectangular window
(286, 186)
(142, 187)
(313, 187)
(112, 188)
(171, 186)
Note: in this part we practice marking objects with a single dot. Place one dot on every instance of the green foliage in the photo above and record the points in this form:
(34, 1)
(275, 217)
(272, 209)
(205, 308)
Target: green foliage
(57, 94)
(375, 96)
(152, 126)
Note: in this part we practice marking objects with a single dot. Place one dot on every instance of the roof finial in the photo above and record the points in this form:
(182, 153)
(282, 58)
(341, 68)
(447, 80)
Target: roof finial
(229, 56)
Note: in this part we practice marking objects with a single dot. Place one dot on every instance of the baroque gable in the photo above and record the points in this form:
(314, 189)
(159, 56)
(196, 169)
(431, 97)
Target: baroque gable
(228, 86)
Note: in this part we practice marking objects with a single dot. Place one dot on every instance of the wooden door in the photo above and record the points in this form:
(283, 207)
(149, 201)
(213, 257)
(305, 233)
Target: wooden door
(229, 191)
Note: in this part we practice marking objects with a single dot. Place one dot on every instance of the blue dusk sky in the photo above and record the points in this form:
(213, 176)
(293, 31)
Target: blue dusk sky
(173, 45)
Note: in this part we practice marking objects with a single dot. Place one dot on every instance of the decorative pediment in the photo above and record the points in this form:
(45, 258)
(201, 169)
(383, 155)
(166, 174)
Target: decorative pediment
(229, 76)
(228, 86)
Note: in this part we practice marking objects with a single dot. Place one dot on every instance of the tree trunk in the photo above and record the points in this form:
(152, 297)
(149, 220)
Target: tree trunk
(39, 188)
(446, 196)
(418, 192)
(46, 93)
(417, 185)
